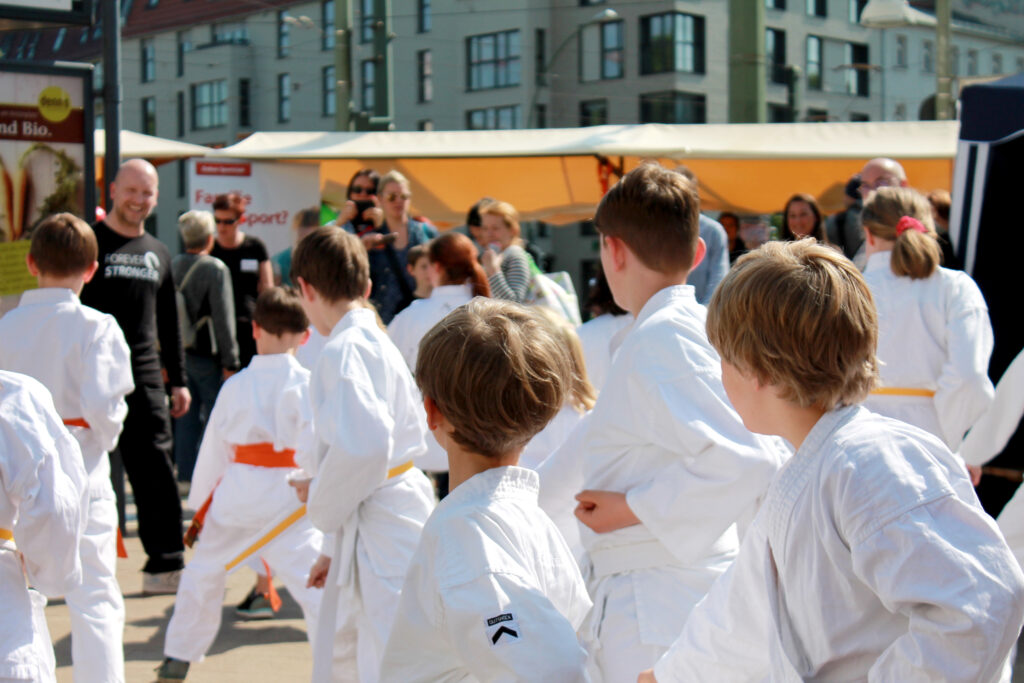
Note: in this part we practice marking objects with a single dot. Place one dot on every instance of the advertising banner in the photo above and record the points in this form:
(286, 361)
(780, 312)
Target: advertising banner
(274, 193)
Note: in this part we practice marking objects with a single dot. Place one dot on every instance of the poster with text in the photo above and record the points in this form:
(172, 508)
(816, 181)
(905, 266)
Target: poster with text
(274, 192)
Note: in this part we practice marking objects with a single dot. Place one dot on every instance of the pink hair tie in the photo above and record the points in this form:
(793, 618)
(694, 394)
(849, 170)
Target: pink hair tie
(910, 223)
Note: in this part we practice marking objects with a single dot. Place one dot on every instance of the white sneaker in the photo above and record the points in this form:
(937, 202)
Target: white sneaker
(161, 583)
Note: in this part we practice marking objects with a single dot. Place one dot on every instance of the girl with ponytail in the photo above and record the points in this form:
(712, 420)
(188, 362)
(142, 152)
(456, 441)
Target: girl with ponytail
(934, 335)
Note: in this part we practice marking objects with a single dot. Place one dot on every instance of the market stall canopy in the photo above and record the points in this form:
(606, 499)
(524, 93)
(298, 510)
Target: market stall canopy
(560, 174)
(137, 145)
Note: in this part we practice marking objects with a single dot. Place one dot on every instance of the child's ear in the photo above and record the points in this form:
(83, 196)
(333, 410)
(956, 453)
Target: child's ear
(256, 330)
(617, 250)
(434, 416)
(369, 286)
(699, 253)
(305, 337)
(90, 272)
(32, 267)
(305, 290)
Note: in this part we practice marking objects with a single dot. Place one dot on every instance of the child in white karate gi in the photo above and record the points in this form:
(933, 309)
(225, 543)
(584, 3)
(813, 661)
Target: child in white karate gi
(262, 416)
(44, 496)
(668, 466)
(81, 356)
(934, 335)
(365, 493)
(870, 557)
(493, 592)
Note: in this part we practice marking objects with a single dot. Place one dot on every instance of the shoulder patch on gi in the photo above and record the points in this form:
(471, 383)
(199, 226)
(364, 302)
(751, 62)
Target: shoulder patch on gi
(503, 629)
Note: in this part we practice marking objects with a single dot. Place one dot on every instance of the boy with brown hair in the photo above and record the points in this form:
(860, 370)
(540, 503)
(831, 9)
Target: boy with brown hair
(669, 468)
(240, 486)
(80, 355)
(493, 591)
(365, 493)
(870, 558)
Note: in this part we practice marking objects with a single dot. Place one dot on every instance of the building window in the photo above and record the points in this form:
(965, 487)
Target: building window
(814, 63)
(928, 58)
(209, 104)
(673, 106)
(540, 115)
(244, 106)
(778, 113)
(900, 112)
(901, 52)
(997, 64)
(954, 61)
(149, 115)
(424, 76)
(284, 98)
(672, 42)
(857, 72)
(972, 62)
(593, 112)
(97, 78)
(540, 56)
(59, 40)
(232, 32)
(366, 21)
(328, 85)
(493, 60)
(184, 47)
(854, 116)
(368, 74)
(182, 178)
(284, 36)
(424, 124)
(493, 118)
(817, 8)
(856, 9)
(775, 53)
(775, 4)
(423, 16)
(148, 61)
(817, 115)
(612, 53)
(327, 36)
(181, 113)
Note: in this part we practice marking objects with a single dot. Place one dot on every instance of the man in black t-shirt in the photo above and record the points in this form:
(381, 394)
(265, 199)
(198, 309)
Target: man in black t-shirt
(134, 284)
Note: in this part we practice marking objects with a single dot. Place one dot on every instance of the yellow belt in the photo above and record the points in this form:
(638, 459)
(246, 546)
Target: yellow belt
(902, 391)
(401, 469)
(6, 535)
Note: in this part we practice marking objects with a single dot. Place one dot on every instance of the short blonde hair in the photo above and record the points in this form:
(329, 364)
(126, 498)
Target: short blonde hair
(800, 317)
(196, 227)
(582, 396)
(496, 373)
(507, 213)
(392, 176)
(914, 254)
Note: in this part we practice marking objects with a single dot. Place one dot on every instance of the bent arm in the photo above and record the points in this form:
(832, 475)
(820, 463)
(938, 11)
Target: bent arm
(106, 380)
(990, 434)
(512, 280)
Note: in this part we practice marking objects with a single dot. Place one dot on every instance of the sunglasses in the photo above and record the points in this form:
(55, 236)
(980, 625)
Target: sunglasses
(225, 221)
(391, 196)
(359, 189)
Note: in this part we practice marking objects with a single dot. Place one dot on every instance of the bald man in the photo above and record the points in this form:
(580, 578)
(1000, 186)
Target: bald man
(879, 172)
(134, 284)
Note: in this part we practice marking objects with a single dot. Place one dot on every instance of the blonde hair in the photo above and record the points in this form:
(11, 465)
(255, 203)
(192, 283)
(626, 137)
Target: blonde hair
(392, 176)
(914, 254)
(508, 214)
(496, 372)
(800, 317)
(196, 228)
(582, 396)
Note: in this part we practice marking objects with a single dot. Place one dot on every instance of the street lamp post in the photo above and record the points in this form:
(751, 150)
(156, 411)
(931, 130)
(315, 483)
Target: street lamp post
(601, 17)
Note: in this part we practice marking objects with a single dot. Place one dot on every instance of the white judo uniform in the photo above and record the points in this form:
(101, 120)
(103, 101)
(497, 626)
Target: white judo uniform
(989, 437)
(44, 493)
(599, 337)
(81, 356)
(870, 560)
(664, 433)
(265, 403)
(549, 439)
(365, 495)
(933, 335)
(492, 593)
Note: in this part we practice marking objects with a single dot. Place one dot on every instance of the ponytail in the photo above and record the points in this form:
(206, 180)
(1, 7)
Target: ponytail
(456, 255)
(904, 217)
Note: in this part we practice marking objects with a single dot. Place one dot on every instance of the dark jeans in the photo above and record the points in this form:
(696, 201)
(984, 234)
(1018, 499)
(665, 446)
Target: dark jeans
(145, 450)
(204, 380)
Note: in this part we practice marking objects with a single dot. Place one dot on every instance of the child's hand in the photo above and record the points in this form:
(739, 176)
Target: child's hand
(318, 573)
(975, 473)
(301, 487)
(604, 511)
(646, 677)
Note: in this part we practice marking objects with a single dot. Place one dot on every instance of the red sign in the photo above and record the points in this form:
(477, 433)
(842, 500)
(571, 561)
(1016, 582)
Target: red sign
(223, 168)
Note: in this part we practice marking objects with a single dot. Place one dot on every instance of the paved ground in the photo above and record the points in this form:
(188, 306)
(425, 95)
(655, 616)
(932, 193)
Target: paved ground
(244, 652)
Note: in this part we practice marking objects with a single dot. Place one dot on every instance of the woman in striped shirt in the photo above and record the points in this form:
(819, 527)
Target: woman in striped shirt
(506, 263)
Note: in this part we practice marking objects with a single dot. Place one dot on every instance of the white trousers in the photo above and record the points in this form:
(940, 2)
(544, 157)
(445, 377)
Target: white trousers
(197, 607)
(617, 653)
(97, 607)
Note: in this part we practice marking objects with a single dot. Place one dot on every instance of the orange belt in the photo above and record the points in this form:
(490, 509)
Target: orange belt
(401, 469)
(77, 422)
(6, 535)
(902, 391)
(264, 455)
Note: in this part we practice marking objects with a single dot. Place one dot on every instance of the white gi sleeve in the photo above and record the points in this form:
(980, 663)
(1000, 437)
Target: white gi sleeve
(960, 587)
(42, 472)
(356, 427)
(215, 452)
(990, 434)
(726, 637)
(106, 380)
(720, 472)
(506, 630)
(963, 390)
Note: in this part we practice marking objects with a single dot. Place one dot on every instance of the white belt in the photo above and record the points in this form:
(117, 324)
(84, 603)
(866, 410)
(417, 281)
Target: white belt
(644, 555)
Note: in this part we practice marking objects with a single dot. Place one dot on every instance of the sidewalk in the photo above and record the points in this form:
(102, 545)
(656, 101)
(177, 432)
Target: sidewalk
(244, 652)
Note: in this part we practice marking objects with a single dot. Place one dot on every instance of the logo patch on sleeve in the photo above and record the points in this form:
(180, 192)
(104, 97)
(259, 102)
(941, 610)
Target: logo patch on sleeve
(503, 629)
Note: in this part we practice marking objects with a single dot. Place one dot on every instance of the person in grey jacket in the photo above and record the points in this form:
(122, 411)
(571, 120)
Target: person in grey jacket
(208, 331)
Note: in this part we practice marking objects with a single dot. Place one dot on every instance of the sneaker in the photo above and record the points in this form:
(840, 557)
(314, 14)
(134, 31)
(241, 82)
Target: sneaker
(255, 606)
(161, 583)
(171, 671)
